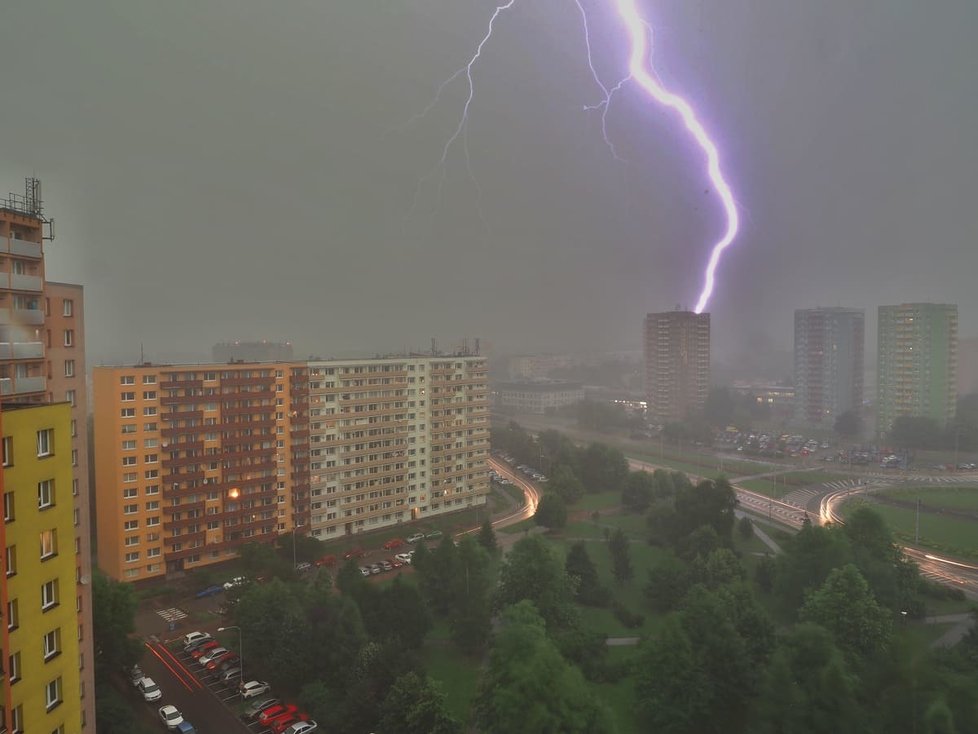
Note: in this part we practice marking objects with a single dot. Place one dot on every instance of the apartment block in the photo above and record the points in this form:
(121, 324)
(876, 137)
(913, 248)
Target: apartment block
(395, 440)
(40, 589)
(191, 462)
(829, 356)
(677, 364)
(916, 363)
(42, 361)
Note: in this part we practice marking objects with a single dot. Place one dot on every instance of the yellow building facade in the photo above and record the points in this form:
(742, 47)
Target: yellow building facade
(38, 587)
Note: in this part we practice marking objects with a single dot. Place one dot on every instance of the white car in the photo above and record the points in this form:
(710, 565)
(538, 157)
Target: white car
(149, 689)
(211, 654)
(301, 727)
(192, 637)
(236, 581)
(253, 688)
(170, 716)
(403, 557)
(415, 538)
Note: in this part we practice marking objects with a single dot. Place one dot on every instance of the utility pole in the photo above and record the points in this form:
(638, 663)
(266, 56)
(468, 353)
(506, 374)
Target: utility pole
(916, 527)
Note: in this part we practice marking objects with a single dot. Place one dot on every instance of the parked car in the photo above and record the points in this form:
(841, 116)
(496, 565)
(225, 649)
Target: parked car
(236, 581)
(170, 716)
(415, 538)
(203, 648)
(276, 712)
(353, 553)
(364, 571)
(231, 662)
(185, 727)
(303, 566)
(387, 565)
(280, 725)
(136, 674)
(209, 591)
(149, 689)
(395, 562)
(403, 557)
(253, 711)
(231, 674)
(376, 568)
(192, 637)
(301, 727)
(198, 644)
(217, 660)
(393, 544)
(328, 561)
(434, 534)
(211, 654)
(253, 688)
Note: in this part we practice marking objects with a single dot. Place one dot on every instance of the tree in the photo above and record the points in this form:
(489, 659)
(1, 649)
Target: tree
(939, 719)
(436, 572)
(414, 705)
(565, 482)
(845, 606)
(471, 611)
(531, 571)
(551, 512)
(621, 556)
(712, 503)
(848, 424)
(529, 687)
(113, 620)
(808, 558)
(717, 568)
(603, 468)
(638, 492)
(745, 526)
(662, 484)
(669, 580)
(587, 587)
(487, 537)
(663, 525)
(673, 691)
(916, 432)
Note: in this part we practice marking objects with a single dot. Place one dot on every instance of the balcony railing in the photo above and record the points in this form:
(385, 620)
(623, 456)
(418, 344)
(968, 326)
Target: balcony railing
(22, 385)
(21, 350)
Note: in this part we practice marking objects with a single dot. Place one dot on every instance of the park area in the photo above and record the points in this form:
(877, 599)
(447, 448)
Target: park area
(948, 519)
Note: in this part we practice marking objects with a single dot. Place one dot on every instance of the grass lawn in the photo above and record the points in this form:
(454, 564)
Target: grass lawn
(767, 487)
(619, 697)
(938, 607)
(956, 498)
(951, 535)
(457, 676)
(598, 501)
(920, 636)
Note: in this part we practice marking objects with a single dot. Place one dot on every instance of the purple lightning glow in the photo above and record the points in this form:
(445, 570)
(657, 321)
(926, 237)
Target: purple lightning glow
(642, 73)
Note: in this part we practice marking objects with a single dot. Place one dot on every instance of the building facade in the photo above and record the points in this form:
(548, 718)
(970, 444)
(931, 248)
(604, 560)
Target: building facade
(39, 588)
(194, 461)
(829, 359)
(42, 361)
(537, 397)
(916, 363)
(677, 364)
(967, 366)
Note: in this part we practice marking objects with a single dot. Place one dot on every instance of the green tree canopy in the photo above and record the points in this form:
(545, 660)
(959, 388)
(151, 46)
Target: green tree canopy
(621, 556)
(551, 512)
(639, 491)
(581, 571)
(414, 705)
(113, 619)
(531, 571)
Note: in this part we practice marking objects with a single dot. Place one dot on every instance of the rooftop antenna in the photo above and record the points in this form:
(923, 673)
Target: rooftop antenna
(142, 355)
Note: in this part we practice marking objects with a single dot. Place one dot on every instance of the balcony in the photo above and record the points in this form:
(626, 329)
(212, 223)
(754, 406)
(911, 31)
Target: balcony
(21, 317)
(23, 248)
(22, 385)
(21, 350)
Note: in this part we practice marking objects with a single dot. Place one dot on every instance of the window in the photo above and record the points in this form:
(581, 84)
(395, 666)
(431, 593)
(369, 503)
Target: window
(149, 427)
(8, 450)
(45, 442)
(14, 662)
(52, 644)
(74, 427)
(152, 521)
(130, 509)
(74, 457)
(131, 525)
(70, 397)
(128, 397)
(49, 543)
(149, 395)
(149, 379)
(129, 444)
(17, 719)
(152, 489)
(132, 557)
(52, 693)
(150, 506)
(8, 507)
(151, 459)
(10, 560)
(129, 461)
(153, 553)
(129, 493)
(69, 368)
(132, 540)
(150, 443)
(69, 337)
(149, 411)
(128, 428)
(45, 494)
(74, 487)
(13, 614)
(127, 380)
(128, 412)
(68, 307)
(49, 594)
(129, 477)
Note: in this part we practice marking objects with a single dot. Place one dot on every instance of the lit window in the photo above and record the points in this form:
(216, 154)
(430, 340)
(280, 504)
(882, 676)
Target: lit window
(49, 543)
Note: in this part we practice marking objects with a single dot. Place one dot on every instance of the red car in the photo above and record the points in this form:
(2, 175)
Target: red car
(393, 543)
(202, 650)
(353, 553)
(275, 713)
(213, 664)
(328, 561)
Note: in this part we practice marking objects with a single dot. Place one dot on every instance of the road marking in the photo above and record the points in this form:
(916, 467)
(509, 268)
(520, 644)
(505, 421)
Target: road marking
(172, 614)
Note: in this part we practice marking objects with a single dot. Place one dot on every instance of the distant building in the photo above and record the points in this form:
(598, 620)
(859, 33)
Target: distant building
(538, 366)
(829, 356)
(677, 364)
(967, 366)
(780, 399)
(536, 397)
(262, 351)
(917, 363)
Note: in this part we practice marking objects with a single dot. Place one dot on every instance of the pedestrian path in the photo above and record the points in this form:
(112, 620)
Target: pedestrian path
(172, 614)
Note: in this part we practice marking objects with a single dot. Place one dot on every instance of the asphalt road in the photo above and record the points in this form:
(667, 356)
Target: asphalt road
(200, 699)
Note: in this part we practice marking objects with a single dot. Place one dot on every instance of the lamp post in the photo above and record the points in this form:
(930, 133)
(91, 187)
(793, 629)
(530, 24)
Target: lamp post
(240, 651)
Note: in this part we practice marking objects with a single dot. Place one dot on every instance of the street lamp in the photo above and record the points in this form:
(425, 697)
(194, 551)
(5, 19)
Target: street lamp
(240, 651)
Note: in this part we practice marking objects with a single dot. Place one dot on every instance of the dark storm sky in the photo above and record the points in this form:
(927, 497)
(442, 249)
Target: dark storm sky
(238, 169)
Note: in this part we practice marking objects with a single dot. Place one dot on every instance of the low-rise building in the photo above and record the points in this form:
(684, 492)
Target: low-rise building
(537, 397)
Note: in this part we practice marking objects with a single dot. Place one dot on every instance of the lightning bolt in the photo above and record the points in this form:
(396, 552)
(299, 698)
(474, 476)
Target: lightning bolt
(640, 68)
(642, 73)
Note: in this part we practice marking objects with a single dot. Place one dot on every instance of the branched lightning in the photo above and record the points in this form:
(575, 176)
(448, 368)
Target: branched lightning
(641, 71)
